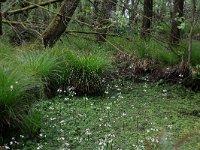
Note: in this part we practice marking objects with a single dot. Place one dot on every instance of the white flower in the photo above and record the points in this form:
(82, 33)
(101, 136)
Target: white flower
(164, 91)
(88, 132)
(123, 114)
(6, 147)
(11, 87)
(106, 92)
(66, 98)
(181, 75)
(107, 107)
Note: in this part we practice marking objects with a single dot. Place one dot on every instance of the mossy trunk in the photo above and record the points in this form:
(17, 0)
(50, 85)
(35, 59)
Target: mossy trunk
(1, 30)
(107, 11)
(134, 6)
(59, 24)
(147, 18)
(176, 21)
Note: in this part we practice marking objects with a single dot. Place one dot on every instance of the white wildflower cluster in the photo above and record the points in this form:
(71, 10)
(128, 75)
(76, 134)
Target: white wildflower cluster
(12, 143)
(71, 91)
(164, 93)
(170, 126)
(108, 140)
(39, 146)
(152, 139)
(139, 147)
(88, 131)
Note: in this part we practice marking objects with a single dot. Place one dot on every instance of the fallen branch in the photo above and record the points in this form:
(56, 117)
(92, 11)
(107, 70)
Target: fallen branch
(95, 33)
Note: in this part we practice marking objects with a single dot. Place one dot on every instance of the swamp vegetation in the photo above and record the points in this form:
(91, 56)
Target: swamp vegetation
(99, 74)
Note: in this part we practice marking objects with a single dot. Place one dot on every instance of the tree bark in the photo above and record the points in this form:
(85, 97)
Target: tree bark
(60, 22)
(96, 9)
(108, 8)
(177, 14)
(1, 30)
(147, 18)
(125, 6)
(134, 6)
(30, 7)
(191, 31)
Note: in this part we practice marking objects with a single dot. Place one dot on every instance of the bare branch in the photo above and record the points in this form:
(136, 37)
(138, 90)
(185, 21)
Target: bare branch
(33, 6)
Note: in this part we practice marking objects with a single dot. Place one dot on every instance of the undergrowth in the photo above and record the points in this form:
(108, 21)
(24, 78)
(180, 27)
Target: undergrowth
(128, 116)
(84, 67)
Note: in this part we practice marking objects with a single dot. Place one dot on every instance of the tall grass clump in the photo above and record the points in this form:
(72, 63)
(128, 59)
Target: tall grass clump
(17, 89)
(154, 50)
(87, 73)
(5, 49)
(195, 58)
(45, 65)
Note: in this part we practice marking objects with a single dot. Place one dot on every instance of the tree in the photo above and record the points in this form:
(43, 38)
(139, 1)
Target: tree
(147, 18)
(96, 9)
(176, 22)
(108, 9)
(1, 31)
(134, 5)
(191, 30)
(60, 22)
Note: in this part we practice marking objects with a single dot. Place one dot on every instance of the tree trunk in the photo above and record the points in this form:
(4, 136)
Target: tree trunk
(177, 14)
(108, 9)
(1, 30)
(134, 6)
(125, 5)
(60, 22)
(191, 31)
(147, 18)
(96, 9)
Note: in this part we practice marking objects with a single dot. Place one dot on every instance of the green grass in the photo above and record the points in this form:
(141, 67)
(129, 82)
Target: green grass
(5, 49)
(17, 90)
(41, 63)
(86, 72)
(127, 117)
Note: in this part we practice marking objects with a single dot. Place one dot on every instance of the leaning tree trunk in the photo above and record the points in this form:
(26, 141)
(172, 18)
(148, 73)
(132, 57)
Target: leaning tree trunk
(60, 22)
(176, 21)
(107, 11)
(147, 18)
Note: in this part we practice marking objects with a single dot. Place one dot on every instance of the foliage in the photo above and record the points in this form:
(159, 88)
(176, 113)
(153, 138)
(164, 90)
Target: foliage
(128, 117)
(17, 88)
(86, 72)
(42, 64)
(31, 123)
(5, 49)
